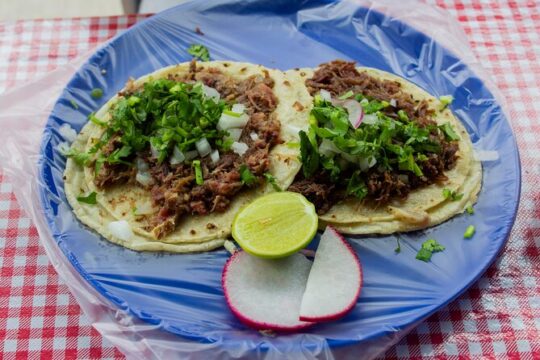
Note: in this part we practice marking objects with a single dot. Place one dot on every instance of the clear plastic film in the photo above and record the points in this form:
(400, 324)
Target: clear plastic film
(171, 306)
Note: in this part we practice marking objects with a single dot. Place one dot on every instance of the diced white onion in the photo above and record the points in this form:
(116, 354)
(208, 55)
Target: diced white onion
(372, 161)
(234, 134)
(292, 130)
(211, 93)
(356, 113)
(190, 155)
(67, 132)
(367, 162)
(238, 108)
(63, 147)
(364, 101)
(229, 122)
(404, 178)
(393, 102)
(214, 156)
(486, 155)
(350, 158)
(154, 151)
(177, 157)
(144, 178)
(239, 147)
(141, 164)
(144, 208)
(325, 95)
(254, 136)
(363, 163)
(203, 147)
(327, 148)
(120, 229)
(370, 119)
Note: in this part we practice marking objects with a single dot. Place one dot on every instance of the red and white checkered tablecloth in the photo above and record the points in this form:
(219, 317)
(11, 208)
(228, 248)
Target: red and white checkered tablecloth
(497, 318)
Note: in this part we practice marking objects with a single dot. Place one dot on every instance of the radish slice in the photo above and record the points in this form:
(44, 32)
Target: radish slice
(266, 294)
(356, 113)
(334, 281)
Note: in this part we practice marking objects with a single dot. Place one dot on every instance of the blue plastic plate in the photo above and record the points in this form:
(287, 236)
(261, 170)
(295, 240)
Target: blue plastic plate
(182, 293)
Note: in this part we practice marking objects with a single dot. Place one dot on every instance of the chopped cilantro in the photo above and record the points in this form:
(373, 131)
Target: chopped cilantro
(272, 181)
(198, 172)
(92, 117)
(97, 93)
(470, 210)
(89, 199)
(74, 104)
(452, 195)
(428, 248)
(293, 145)
(357, 186)
(247, 176)
(402, 115)
(449, 132)
(347, 95)
(309, 155)
(199, 51)
(81, 158)
(469, 232)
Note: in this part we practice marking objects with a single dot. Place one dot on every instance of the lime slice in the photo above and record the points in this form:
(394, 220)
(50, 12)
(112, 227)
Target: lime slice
(275, 225)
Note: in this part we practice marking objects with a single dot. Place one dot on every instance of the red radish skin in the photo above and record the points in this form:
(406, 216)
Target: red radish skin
(248, 321)
(343, 312)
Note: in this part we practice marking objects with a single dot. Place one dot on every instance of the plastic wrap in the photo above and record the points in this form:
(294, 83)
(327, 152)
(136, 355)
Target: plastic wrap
(172, 306)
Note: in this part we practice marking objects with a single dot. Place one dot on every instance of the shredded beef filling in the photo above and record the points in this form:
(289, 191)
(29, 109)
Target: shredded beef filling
(175, 191)
(338, 77)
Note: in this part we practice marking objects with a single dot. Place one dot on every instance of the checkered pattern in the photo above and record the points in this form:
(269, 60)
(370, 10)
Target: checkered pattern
(498, 318)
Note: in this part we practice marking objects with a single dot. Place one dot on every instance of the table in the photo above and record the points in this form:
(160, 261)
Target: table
(498, 317)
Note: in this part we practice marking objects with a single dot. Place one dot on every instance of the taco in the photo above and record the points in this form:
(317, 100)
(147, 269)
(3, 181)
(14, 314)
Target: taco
(176, 153)
(381, 155)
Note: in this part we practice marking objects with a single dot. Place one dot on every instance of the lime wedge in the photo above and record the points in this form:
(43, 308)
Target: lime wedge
(275, 225)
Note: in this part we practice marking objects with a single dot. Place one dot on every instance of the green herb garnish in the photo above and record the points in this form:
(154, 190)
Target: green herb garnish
(451, 195)
(92, 117)
(428, 248)
(449, 132)
(80, 158)
(89, 199)
(74, 104)
(397, 250)
(445, 101)
(272, 181)
(97, 93)
(469, 232)
(293, 145)
(247, 176)
(347, 95)
(469, 209)
(199, 51)
(198, 172)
